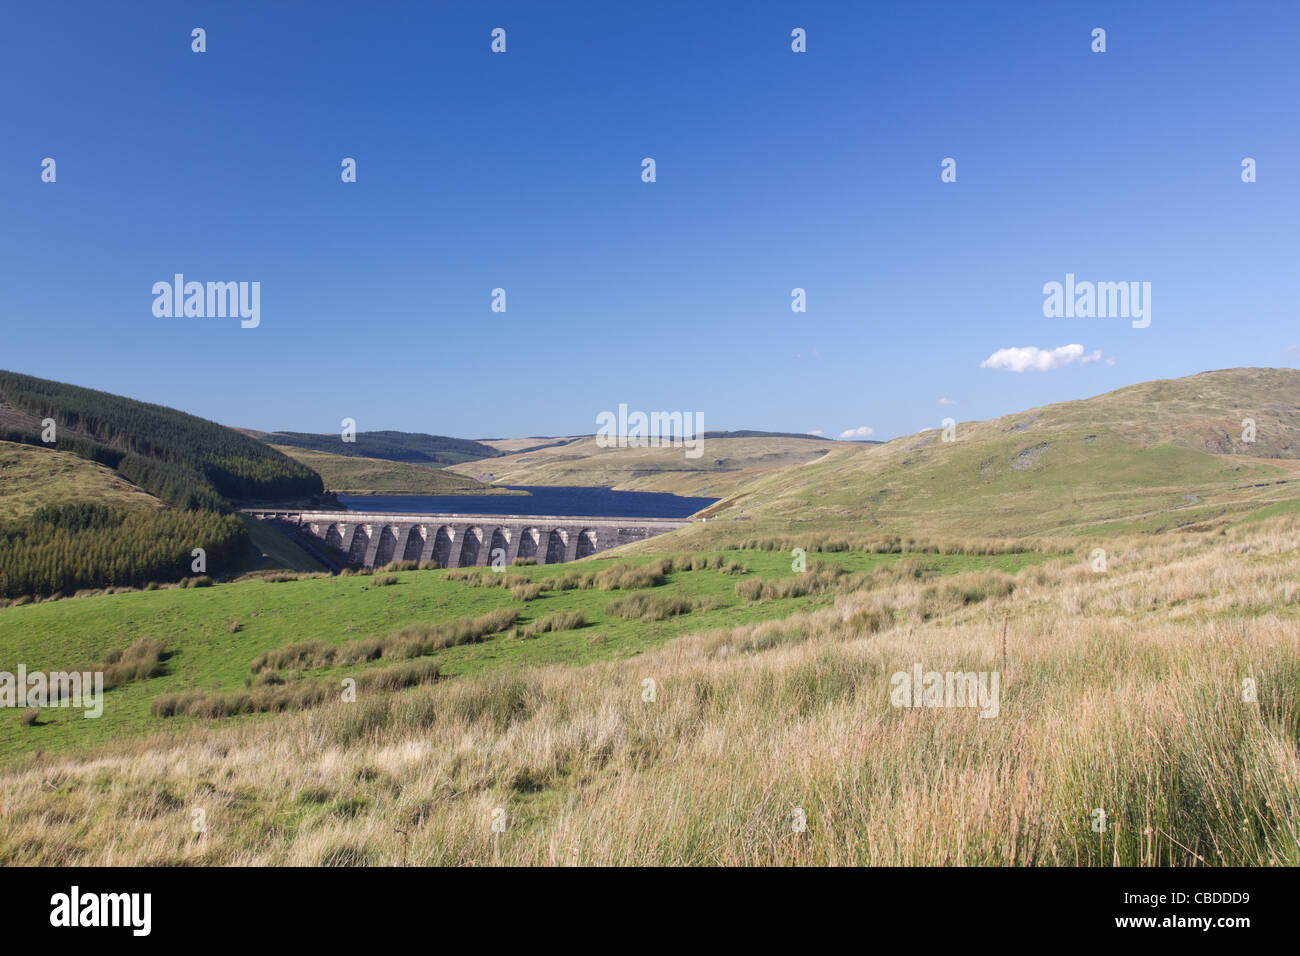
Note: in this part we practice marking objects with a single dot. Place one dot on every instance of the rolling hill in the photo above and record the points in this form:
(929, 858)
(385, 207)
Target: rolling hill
(726, 465)
(524, 690)
(409, 447)
(354, 475)
(1159, 456)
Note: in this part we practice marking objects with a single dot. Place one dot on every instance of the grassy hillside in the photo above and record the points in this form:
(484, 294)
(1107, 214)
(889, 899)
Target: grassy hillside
(32, 477)
(1120, 690)
(213, 634)
(726, 465)
(373, 476)
(410, 447)
(1154, 457)
(273, 551)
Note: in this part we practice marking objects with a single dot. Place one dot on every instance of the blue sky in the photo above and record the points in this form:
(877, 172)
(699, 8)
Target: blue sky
(522, 170)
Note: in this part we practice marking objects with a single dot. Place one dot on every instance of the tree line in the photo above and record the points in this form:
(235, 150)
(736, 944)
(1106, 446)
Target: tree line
(60, 549)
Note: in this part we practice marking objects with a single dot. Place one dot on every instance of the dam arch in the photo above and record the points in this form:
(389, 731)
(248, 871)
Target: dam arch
(362, 539)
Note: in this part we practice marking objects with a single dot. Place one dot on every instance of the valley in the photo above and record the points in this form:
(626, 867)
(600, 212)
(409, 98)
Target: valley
(696, 684)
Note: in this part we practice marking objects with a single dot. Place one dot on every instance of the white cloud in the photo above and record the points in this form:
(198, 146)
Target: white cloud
(1040, 360)
(862, 431)
(818, 432)
(946, 401)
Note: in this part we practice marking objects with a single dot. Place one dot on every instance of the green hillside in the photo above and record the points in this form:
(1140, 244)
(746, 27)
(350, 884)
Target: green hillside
(1158, 456)
(214, 634)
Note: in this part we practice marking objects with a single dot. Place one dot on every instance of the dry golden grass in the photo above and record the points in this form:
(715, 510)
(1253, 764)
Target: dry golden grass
(1122, 691)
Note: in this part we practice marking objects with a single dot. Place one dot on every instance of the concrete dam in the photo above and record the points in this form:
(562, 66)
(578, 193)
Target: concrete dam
(459, 541)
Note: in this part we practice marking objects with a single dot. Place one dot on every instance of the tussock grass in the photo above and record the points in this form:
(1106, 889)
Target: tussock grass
(656, 607)
(414, 640)
(892, 544)
(525, 590)
(142, 660)
(559, 621)
(298, 695)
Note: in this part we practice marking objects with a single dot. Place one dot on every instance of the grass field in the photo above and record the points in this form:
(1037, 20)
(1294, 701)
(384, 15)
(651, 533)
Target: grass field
(213, 634)
(276, 550)
(1163, 692)
(684, 699)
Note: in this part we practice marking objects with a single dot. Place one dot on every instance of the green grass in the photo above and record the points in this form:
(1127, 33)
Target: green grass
(276, 550)
(1074, 482)
(207, 651)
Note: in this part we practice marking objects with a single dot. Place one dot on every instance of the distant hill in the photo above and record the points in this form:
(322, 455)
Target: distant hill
(1153, 457)
(353, 475)
(753, 433)
(410, 447)
(727, 464)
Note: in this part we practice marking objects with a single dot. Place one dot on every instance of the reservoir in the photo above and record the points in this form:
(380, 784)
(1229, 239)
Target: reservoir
(540, 500)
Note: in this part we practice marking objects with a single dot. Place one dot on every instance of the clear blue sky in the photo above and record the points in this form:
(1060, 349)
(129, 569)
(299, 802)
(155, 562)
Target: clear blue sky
(523, 171)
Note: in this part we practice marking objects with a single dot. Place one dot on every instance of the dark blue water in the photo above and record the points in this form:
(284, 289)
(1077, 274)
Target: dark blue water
(541, 500)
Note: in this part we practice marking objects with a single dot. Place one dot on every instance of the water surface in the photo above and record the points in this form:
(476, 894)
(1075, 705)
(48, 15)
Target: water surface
(541, 500)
